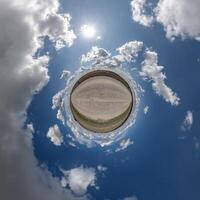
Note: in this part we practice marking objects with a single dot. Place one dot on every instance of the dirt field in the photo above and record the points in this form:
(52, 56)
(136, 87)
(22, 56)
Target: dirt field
(101, 103)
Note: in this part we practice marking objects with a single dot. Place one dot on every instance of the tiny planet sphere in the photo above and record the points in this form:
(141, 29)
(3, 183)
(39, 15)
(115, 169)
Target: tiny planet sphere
(101, 101)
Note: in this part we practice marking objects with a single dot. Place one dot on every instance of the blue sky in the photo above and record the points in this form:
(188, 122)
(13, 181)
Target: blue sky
(163, 162)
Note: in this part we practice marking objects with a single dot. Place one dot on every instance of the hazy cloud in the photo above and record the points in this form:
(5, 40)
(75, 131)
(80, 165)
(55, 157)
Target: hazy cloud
(146, 109)
(131, 198)
(65, 74)
(188, 121)
(124, 144)
(101, 168)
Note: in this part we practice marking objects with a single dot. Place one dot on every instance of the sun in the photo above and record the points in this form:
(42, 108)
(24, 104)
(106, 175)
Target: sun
(88, 31)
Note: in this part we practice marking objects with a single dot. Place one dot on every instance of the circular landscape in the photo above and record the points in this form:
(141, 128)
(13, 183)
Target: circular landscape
(101, 101)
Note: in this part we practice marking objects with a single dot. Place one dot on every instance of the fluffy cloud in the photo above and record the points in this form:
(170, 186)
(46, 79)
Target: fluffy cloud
(55, 135)
(79, 179)
(96, 55)
(23, 23)
(56, 26)
(151, 71)
(57, 99)
(126, 53)
(124, 144)
(188, 121)
(139, 12)
(129, 50)
(57, 102)
(179, 18)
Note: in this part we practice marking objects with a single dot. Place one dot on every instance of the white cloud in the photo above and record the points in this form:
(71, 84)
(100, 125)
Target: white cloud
(151, 71)
(124, 144)
(188, 121)
(60, 116)
(100, 56)
(179, 18)
(146, 109)
(79, 179)
(55, 135)
(130, 50)
(95, 55)
(21, 76)
(57, 100)
(56, 26)
(139, 12)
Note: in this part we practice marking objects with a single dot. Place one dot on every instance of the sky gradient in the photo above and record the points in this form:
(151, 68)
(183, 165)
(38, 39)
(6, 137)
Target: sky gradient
(158, 157)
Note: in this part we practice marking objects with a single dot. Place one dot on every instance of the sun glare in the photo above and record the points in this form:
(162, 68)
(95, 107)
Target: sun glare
(88, 31)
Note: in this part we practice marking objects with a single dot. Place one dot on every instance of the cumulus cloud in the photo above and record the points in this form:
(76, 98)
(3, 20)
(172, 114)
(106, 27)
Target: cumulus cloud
(124, 144)
(100, 56)
(56, 26)
(95, 55)
(57, 99)
(151, 71)
(129, 50)
(188, 121)
(55, 135)
(139, 12)
(57, 102)
(179, 18)
(21, 76)
(79, 179)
